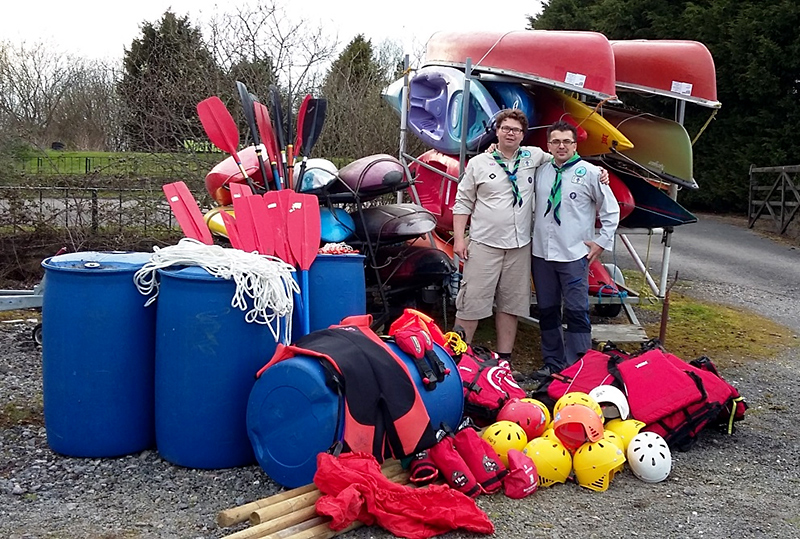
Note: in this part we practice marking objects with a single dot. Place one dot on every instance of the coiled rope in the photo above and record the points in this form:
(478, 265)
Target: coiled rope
(265, 282)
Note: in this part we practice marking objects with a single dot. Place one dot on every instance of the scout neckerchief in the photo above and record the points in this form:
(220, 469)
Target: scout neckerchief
(554, 200)
(512, 175)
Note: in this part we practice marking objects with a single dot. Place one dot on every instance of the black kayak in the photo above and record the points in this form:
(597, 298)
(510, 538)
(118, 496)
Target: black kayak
(393, 223)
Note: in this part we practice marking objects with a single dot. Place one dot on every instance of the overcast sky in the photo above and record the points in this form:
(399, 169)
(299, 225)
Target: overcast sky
(101, 28)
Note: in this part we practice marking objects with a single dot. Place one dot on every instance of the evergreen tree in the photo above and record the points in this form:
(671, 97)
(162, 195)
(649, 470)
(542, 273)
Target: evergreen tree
(167, 71)
(756, 50)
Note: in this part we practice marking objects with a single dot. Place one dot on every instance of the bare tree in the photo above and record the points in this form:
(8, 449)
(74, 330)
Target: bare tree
(274, 46)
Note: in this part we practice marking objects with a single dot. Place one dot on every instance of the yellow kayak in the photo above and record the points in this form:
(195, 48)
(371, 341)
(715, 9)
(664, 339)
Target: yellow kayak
(214, 222)
(600, 135)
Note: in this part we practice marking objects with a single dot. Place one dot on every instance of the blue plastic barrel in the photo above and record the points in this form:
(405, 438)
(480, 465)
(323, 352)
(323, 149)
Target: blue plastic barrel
(206, 360)
(337, 290)
(97, 355)
(292, 414)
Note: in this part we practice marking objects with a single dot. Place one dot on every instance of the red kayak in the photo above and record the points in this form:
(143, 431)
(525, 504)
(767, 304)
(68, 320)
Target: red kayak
(437, 193)
(576, 61)
(674, 68)
(227, 171)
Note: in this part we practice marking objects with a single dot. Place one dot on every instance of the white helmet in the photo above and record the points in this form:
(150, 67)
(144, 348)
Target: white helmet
(649, 457)
(612, 401)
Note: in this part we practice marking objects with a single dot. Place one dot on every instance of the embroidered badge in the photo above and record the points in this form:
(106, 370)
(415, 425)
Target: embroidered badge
(573, 195)
(530, 179)
(525, 153)
(492, 176)
(580, 171)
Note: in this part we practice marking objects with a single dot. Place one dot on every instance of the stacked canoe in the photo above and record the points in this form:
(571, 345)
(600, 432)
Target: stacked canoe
(644, 153)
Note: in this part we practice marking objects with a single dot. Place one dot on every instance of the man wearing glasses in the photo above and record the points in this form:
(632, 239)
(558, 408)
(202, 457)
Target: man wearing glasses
(570, 195)
(496, 197)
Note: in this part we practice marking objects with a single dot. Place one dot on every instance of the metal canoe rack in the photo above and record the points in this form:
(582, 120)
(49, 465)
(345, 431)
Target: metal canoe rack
(631, 332)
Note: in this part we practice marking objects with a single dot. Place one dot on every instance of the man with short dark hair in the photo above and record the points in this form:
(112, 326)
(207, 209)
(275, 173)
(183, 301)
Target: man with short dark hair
(569, 197)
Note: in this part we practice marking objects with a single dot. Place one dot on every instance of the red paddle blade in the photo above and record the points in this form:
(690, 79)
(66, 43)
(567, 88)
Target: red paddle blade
(303, 225)
(219, 125)
(231, 229)
(277, 221)
(265, 236)
(265, 130)
(301, 118)
(244, 218)
(187, 212)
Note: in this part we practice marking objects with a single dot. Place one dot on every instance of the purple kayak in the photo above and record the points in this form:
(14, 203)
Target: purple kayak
(371, 173)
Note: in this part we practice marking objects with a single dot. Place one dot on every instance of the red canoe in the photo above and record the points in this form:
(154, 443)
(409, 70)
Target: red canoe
(674, 68)
(576, 61)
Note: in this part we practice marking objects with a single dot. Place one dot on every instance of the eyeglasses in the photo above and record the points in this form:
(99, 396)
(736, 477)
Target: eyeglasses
(507, 129)
(565, 142)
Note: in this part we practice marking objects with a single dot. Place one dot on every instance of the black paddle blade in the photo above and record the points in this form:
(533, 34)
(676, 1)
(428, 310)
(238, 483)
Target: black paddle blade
(316, 111)
(249, 112)
(277, 112)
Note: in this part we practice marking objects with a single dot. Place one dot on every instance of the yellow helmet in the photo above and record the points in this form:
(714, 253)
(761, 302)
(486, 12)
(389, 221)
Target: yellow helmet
(547, 419)
(595, 464)
(553, 461)
(549, 434)
(577, 397)
(625, 429)
(612, 437)
(505, 435)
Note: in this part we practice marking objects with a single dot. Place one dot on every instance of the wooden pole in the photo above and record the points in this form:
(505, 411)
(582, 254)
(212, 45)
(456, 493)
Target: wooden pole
(275, 525)
(235, 515)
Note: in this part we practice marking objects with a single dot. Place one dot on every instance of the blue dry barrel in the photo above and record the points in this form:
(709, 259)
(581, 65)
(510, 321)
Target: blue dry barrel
(97, 355)
(337, 290)
(292, 414)
(207, 356)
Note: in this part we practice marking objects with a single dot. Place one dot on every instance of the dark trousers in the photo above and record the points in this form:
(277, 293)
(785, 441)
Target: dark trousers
(569, 281)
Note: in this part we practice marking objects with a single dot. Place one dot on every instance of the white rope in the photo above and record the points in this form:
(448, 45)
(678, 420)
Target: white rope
(264, 281)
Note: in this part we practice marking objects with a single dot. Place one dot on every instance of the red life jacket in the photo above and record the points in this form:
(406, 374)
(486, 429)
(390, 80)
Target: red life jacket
(487, 382)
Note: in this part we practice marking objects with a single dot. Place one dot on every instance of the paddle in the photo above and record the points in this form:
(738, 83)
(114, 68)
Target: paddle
(312, 127)
(303, 225)
(231, 229)
(277, 111)
(276, 218)
(187, 212)
(244, 217)
(222, 131)
(264, 125)
(301, 118)
(250, 118)
(264, 232)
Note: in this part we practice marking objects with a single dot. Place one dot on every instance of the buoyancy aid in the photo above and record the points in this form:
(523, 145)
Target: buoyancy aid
(656, 387)
(383, 412)
(593, 369)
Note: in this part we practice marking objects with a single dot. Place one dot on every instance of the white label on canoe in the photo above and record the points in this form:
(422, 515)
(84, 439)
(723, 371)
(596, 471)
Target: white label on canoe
(575, 79)
(683, 88)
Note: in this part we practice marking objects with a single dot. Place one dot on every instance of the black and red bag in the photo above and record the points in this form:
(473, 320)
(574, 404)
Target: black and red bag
(488, 383)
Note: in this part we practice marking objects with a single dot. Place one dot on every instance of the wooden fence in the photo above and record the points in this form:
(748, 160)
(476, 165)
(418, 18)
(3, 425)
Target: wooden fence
(774, 191)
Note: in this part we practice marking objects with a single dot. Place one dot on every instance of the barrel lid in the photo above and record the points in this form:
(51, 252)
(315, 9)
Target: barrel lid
(105, 261)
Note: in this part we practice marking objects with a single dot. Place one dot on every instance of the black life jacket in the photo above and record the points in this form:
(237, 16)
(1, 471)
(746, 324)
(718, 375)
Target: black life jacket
(383, 412)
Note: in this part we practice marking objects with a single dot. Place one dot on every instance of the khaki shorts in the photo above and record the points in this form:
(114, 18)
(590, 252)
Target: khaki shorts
(492, 276)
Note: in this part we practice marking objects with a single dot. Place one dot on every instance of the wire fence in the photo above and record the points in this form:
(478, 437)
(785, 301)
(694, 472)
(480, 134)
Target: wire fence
(119, 166)
(87, 208)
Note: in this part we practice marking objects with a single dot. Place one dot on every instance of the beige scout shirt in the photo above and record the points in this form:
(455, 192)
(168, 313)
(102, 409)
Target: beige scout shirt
(485, 193)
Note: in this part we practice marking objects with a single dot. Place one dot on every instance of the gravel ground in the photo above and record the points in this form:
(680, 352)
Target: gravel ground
(743, 485)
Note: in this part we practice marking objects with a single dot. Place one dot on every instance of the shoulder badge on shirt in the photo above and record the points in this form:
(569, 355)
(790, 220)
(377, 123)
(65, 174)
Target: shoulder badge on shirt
(525, 153)
(573, 195)
(580, 171)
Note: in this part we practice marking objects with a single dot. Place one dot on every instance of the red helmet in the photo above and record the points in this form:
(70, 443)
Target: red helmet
(525, 414)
